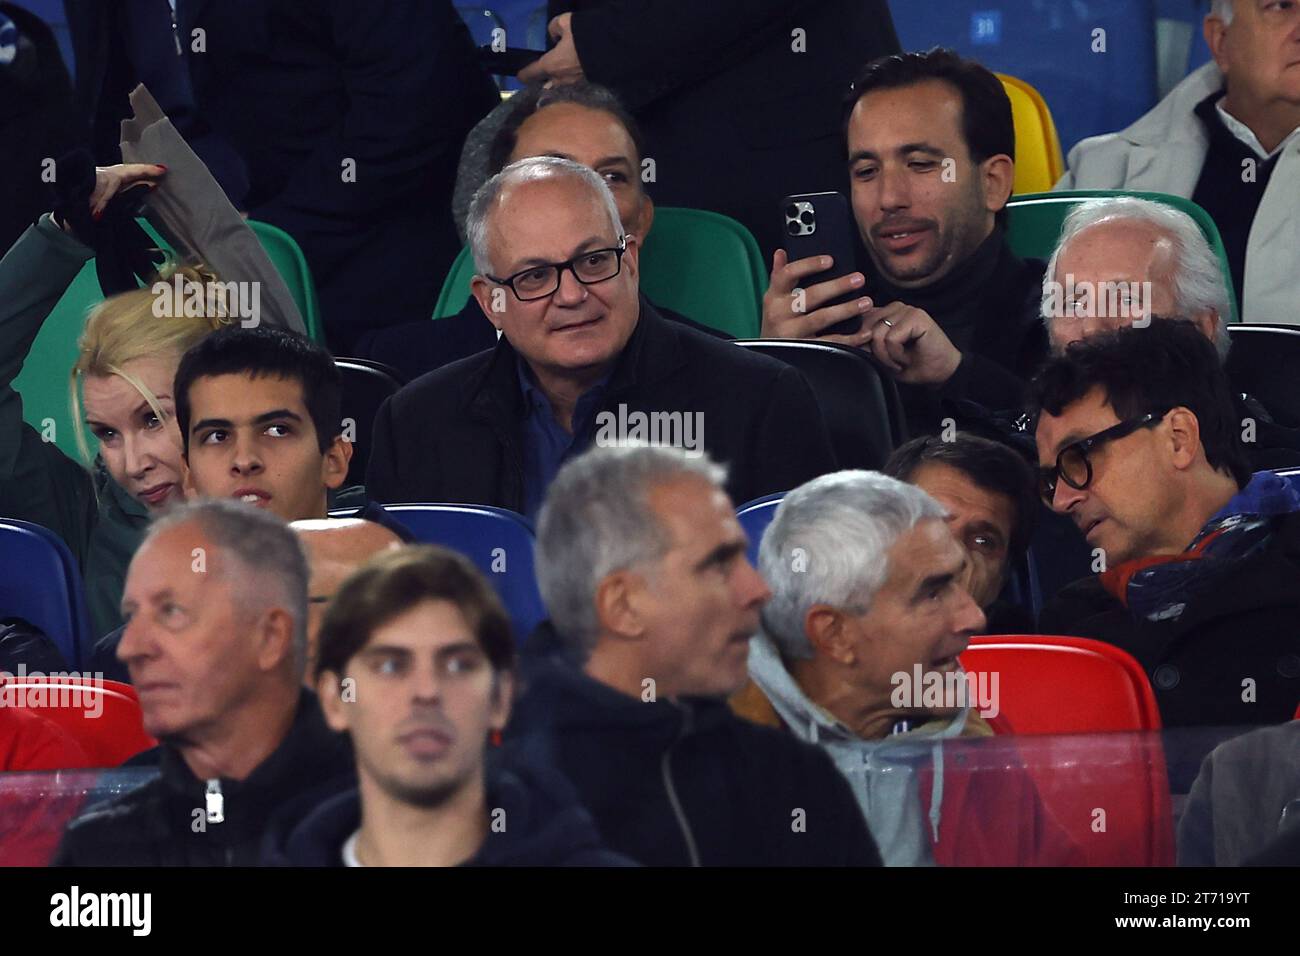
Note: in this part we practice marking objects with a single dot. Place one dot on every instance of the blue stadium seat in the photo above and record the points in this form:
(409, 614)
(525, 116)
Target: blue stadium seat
(754, 517)
(499, 542)
(525, 22)
(1049, 44)
(40, 582)
(1292, 475)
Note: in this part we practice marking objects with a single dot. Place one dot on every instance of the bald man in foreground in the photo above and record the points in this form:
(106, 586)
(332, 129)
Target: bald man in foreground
(335, 548)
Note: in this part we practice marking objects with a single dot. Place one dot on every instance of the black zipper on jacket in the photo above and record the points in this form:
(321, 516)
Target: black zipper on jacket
(665, 768)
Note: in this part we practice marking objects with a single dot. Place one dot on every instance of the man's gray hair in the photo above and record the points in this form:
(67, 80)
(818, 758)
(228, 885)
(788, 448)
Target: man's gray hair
(529, 170)
(1222, 9)
(597, 519)
(827, 545)
(1198, 280)
(265, 549)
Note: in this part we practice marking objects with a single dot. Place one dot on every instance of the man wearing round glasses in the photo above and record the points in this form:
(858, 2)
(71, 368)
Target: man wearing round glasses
(1139, 444)
(568, 306)
(583, 359)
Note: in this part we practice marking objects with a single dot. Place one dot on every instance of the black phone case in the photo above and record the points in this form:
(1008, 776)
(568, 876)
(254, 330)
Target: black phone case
(507, 62)
(821, 224)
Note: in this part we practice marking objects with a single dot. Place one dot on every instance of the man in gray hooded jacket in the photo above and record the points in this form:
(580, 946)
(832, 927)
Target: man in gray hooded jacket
(858, 654)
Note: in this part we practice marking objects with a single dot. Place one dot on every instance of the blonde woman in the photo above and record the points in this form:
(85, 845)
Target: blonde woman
(127, 358)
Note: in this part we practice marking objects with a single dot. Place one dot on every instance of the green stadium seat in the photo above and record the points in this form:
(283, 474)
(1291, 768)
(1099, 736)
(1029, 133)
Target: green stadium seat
(43, 382)
(455, 288)
(1035, 221)
(288, 258)
(702, 264)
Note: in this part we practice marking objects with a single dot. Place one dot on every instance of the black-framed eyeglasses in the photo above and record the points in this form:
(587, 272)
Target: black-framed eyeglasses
(1072, 463)
(537, 282)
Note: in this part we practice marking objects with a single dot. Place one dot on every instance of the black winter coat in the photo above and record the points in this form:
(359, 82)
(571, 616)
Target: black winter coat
(1246, 626)
(308, 90)
(683, 783)
(156, 824)
(542, 825)
(456, 434)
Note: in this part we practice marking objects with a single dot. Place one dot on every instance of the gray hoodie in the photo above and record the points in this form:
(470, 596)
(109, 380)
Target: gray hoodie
(881, 773)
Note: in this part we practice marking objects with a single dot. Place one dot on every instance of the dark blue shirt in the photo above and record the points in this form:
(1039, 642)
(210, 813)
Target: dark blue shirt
(547, 445)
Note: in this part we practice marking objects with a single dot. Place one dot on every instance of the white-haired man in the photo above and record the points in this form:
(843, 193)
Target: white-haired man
(858, 654)
(580, 351)
(1126, 261)
(1123, 261)
(641, 562)
(1228, 137)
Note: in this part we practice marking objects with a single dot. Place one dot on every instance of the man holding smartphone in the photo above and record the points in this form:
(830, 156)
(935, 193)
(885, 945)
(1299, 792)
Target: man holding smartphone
(949, 309)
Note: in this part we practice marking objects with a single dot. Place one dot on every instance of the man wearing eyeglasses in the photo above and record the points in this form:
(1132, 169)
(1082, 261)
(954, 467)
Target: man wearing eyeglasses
(1198, 562)
(559, 279)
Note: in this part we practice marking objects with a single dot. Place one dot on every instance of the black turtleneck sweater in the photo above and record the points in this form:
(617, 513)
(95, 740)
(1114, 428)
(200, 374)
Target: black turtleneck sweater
(1225, 192)
(988, 306)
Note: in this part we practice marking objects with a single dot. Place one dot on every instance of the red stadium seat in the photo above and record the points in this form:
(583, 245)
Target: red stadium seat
(1109, 790)
(1065, 685)
(103, 717)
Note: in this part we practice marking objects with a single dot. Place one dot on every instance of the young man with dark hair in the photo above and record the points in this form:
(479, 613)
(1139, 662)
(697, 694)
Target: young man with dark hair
(416, 665)
(259, 412)
(947, 307)
(1139, 443)
(260, 420)
(991, 499)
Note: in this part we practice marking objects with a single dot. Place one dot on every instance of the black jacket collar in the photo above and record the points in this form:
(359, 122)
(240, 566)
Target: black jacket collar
(546, 824)
(560, 696)
(309, 754)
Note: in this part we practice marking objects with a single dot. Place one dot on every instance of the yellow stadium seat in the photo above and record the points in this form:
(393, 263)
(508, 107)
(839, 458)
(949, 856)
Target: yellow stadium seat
(1039, 163)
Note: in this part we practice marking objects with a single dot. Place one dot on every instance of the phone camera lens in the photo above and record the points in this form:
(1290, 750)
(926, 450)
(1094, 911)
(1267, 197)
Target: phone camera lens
(806, 218)
(793, 227)
(792, 211)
